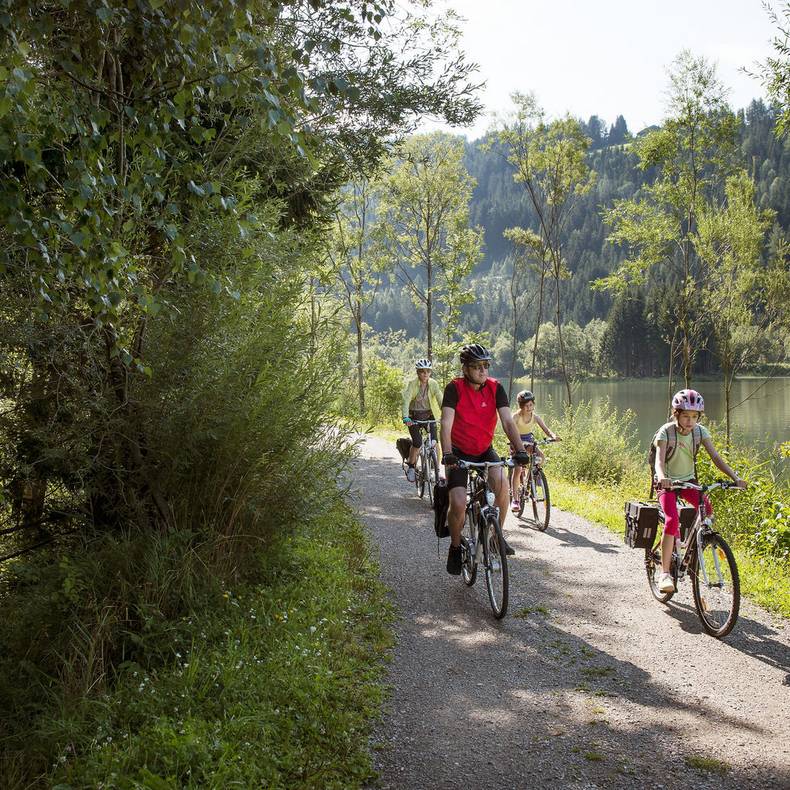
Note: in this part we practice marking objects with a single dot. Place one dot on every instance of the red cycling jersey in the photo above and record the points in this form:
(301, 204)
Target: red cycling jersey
(475, 414)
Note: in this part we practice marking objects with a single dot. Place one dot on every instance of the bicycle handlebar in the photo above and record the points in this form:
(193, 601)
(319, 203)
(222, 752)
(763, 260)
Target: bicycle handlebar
(679, 485)
(484, 464)
(423, 422)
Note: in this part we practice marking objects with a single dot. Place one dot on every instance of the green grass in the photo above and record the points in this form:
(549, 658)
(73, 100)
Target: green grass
(275, 684)
(709, 765)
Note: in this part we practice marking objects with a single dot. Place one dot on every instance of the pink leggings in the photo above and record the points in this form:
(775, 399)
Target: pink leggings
(669, 504)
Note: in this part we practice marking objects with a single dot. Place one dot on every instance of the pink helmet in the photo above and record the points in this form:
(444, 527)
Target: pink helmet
(688, 400)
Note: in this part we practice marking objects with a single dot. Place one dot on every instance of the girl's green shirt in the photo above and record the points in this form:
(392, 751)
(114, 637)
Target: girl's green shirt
(681, 465)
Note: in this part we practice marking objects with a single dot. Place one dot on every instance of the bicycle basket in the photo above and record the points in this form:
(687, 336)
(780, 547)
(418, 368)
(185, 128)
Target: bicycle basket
(641, 524)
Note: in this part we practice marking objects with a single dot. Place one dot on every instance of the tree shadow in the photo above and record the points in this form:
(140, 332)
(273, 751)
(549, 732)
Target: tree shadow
(574, 540)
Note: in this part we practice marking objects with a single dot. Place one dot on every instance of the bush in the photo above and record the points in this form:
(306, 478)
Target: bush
(383, 392)
(598, 446)
(759, 517)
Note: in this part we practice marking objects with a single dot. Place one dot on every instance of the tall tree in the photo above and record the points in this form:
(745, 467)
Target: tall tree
(550, 163)
(774, 72)
(743, 298)
(354, 262)
(693, 152)
(425, 221)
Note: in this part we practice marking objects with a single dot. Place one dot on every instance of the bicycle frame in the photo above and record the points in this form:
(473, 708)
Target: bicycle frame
(482, 536)
(426, 454)
(699, 530)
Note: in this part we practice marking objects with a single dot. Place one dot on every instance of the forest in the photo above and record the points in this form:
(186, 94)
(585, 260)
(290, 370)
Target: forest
(602, 325)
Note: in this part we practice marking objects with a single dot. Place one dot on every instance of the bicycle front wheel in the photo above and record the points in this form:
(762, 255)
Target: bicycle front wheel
(540, 499)
(419, 479)
(433, 476)
(468, 537)
(495, 560)
(717, 586)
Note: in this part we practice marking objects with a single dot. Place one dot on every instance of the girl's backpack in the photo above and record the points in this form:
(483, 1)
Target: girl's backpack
(672, 443)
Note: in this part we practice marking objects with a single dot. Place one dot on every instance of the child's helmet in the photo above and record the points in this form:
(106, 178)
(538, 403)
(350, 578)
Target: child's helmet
(423, 364)
(474, 352)
(688, 400)
(524, 396)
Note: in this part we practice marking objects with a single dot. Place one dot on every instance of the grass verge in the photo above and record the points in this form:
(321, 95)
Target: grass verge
(270, 685)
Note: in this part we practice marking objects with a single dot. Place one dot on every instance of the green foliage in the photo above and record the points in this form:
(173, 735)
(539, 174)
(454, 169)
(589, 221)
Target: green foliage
(774, 72)
(384, 387)
(598, 445)
(758, 517)
(425, 229)
(259, 684)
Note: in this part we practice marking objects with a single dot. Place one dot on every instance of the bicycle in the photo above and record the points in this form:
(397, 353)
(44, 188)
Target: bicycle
(482, 538)
(705, 556)
(426, 470)
(534, 488)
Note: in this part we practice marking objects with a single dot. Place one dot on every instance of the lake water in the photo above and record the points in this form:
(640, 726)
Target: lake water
(763, 420)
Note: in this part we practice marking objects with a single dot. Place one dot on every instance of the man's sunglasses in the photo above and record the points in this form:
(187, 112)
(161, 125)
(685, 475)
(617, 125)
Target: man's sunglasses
(480, 366)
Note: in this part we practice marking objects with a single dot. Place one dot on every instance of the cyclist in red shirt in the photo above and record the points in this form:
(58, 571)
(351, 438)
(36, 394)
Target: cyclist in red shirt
(470, 407)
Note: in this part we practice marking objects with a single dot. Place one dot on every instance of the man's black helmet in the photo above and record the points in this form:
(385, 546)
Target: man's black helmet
(474, 352)
(524, 396)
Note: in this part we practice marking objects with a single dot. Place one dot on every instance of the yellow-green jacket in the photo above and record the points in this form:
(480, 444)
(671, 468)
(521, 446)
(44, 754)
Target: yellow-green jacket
(434, 396)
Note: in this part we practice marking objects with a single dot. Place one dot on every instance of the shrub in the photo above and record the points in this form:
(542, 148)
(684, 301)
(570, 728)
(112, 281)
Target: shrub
(598, 445)
(383, 392)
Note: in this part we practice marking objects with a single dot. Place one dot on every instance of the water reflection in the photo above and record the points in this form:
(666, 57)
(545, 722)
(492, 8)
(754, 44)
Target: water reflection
(762, 420)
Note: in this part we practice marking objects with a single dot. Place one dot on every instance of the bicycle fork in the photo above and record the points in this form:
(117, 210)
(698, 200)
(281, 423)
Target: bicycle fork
(702, 533)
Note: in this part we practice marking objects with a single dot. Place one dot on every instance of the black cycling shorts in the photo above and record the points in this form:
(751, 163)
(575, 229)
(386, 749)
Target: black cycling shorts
(458, 477)
(415, 431)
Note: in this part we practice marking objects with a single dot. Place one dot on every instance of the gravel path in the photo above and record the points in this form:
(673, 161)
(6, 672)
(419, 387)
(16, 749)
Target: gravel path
(588, 682)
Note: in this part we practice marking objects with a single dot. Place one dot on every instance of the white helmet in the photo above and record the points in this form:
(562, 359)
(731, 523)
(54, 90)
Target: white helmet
(423, 364)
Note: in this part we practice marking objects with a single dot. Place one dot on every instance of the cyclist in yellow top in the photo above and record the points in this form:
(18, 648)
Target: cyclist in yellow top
(422, 399)
(527, 423)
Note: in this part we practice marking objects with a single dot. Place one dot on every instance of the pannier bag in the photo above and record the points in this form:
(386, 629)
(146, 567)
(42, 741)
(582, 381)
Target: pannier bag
(441, 503)
(641, 524)
(687, 514)
(404, 446)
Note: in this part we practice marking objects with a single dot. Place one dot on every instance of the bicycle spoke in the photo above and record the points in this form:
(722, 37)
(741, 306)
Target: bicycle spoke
(495, 560)
(716, 586)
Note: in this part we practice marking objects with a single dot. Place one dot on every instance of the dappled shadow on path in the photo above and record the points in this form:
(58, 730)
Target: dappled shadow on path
(531, 700)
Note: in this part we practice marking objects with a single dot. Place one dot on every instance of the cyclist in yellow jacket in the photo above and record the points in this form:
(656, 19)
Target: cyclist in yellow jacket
(422, 398)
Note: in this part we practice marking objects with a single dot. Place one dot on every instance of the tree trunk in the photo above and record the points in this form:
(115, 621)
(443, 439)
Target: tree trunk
(360, 360)
(559, 336)
(538, 322)
(671, 368)
(513, 299)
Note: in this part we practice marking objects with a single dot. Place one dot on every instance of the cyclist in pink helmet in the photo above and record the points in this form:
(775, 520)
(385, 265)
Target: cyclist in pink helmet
(688, 400)
(677, 443)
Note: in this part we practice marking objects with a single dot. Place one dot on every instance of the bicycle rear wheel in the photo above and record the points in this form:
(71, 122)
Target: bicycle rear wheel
(540, 499)
(468, 536)
(717, 586)
(495, 558)
(654, 569)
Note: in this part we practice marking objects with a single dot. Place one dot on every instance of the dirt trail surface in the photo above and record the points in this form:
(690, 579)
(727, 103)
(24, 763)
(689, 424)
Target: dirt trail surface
(588, 682)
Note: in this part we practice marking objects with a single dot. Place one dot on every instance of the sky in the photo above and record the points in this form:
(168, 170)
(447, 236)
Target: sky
(609, 57)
